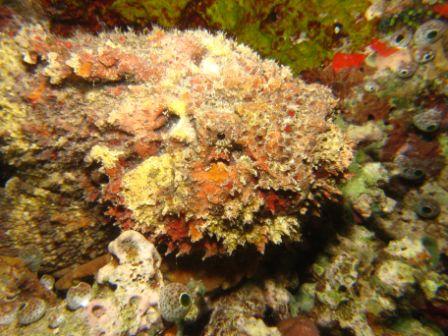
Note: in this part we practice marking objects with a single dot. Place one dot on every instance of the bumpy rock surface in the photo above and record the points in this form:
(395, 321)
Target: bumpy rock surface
(187, 137)
(241, 312)
(129, 308)
(197, 143)
(360, 281)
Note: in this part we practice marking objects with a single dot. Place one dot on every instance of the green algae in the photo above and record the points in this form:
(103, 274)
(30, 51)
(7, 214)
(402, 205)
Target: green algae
(408, 326)
(297, 33)
(443, 141)
(367, 178)
(305, 299)
(165, 12)
(411, 17)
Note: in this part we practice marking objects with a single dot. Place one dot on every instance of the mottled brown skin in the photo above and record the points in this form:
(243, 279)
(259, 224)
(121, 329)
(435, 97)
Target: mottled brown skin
(252, 161)
(59, 228)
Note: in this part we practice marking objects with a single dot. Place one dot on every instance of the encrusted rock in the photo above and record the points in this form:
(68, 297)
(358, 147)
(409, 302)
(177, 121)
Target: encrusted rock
(360, 281)
(138, 281)
(130, 307)
(175, 301)
(241, 312)
(79, 296)
(32, 311)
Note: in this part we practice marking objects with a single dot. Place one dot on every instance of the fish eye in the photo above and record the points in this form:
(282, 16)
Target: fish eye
(418, 173)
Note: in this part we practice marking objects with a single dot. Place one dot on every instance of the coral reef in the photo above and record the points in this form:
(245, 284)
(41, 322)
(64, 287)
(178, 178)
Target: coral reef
(246, 201)
(78, 296)
(68, 276)
(361, 282)
(129, 308)
(420, 215)
(32, 311)
(175, 301)
(137, 279)
(241, 312)
(405, 191)
(140, 301)
(386, 280)
(56, 230)
(298, 326)
(17, 282)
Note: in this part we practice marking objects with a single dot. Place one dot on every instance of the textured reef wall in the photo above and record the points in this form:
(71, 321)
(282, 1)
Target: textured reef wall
(130, 297)
(98, 310)
(389, 277)
(246, 201)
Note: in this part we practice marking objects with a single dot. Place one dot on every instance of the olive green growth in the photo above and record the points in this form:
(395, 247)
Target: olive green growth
(298, 33)
(165, 12)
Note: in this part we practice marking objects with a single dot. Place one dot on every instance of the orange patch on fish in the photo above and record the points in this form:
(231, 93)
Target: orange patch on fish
(84, 69)
(210, 184)
(36, 94)
(217, 174)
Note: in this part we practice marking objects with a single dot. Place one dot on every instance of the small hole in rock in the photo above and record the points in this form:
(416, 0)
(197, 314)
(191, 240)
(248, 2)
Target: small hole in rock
(418, 172)
(399, 38)
(98, 311)
(432, 34)
(426, 209)
(6, 172)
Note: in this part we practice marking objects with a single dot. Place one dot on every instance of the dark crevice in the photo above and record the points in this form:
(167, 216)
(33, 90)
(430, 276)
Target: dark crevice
(6, 171)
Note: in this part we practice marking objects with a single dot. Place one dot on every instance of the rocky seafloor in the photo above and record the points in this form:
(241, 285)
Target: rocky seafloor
(224, 168)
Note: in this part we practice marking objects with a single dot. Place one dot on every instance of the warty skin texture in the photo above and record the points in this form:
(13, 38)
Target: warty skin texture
(187, 137)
